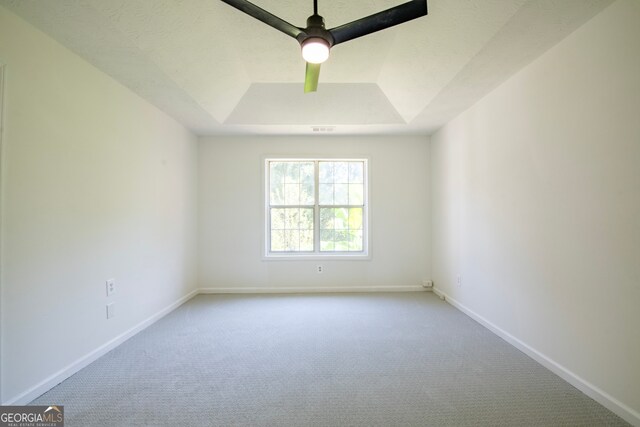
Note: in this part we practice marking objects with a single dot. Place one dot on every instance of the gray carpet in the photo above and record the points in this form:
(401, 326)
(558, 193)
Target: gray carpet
(320, 360)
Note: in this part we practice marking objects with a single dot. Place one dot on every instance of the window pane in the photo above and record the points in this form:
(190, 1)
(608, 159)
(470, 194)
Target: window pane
(291, 183)
(327, 234)
(276, 195)
(326, 172)
(341, 172)
(326, 219)
(306, 173)
(341, 218)
(326, 240)
(293, 172)
(292, 242)
(356, 174)
(348, 183)
(292, 218)
(306, 240)
(277, 171)
(306, 219)
(356, 194)
(341, 194)
(292, 229)
(326, 194)
(355, 240)
(292, 194)
(277, 219)
(341, 229)
(276, 181)
(355, 219)
(306, 194)
(277, 240)
(342, 240)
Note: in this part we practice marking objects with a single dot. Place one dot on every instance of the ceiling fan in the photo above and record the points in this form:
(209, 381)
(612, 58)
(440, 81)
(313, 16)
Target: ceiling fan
(316, 41)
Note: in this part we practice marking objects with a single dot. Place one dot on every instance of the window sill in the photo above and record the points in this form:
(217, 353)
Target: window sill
(316, 257)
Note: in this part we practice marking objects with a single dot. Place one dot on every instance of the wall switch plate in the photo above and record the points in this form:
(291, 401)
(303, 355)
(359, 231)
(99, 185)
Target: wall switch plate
(111, 287)
(459, 281)
(111, 310)
(319, 269)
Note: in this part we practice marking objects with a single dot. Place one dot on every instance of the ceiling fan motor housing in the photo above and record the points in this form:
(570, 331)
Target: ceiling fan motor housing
(315, 29)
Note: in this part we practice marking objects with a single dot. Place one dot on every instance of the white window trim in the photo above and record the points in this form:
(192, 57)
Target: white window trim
(364, 255)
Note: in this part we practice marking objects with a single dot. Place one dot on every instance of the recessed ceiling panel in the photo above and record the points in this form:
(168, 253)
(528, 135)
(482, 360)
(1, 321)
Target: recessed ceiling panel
(335, 104)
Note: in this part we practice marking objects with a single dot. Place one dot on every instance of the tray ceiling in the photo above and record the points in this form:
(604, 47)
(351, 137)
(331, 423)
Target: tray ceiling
(218, 71)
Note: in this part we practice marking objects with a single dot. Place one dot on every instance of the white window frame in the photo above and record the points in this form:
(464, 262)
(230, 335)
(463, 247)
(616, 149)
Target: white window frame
(365, 254)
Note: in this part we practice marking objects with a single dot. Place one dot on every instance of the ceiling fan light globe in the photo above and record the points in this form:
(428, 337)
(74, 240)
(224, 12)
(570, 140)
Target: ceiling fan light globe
(315, 50)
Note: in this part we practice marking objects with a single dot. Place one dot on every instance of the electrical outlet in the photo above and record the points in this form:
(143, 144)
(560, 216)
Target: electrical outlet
(459, 282)
(111, 287)
(427, 284)
(319, 269)
(111, 310)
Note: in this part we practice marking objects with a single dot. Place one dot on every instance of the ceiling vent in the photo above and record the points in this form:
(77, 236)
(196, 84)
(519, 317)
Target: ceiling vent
(323, 128)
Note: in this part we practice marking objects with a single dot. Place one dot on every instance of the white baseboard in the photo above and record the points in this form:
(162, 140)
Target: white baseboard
(623, 411)
(318, 289)
(66, 372)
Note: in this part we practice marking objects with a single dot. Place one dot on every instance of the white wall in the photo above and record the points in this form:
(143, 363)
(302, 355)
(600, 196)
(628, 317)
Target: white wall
(536, 204)
(97, 184)
(231, 214)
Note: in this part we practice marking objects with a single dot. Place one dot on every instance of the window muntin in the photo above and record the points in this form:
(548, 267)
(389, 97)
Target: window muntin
(316, 207)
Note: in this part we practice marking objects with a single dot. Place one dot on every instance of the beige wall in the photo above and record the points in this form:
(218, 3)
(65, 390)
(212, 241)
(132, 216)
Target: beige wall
(231, 215)
(536, 205)
(96, 184)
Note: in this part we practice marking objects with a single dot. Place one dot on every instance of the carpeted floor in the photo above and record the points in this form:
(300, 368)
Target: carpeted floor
(404, 359)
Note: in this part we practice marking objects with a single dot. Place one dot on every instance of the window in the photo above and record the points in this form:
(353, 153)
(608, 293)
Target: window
(316, 207)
